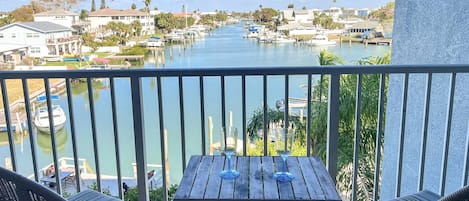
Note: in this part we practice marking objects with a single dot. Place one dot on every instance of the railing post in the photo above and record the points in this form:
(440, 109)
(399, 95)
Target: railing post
(139, 134)
(6, 110)
(333, 125)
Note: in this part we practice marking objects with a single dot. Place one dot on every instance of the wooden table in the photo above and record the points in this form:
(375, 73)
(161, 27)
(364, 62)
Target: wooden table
(201, 180)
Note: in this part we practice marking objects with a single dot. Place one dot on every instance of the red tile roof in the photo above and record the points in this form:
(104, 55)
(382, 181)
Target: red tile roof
(182, 14)
(112, 12)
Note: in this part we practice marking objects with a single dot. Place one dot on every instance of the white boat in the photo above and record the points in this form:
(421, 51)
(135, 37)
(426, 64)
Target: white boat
(175, 35)
(41, 117)
(254, 31)
(283, 39)
(154, 42)
(320, 40)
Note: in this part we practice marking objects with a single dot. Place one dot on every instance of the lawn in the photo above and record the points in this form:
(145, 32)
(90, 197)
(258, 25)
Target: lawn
(15, 88)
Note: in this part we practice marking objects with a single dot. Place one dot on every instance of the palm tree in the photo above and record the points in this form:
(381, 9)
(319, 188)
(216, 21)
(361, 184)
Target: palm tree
(327, 59)
(93, 6)
(103, 4)
(147, 5)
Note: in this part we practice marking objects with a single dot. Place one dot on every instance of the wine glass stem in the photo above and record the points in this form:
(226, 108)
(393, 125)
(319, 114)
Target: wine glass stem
(229, 161)
(284, 168)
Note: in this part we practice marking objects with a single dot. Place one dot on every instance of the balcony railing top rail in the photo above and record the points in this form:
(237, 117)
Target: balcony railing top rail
(395, 69)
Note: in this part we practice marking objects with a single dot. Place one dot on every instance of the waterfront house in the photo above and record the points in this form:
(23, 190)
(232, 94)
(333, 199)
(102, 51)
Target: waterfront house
(11, 54)
(334, 12)
(298, 16)
(57, 16)
(364, 28)
(349, 12)
(100, 18)
(3, 14)
(41, 38)
(363, 12)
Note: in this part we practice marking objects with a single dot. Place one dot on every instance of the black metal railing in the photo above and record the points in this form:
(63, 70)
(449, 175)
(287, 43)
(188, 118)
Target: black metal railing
(332, 73)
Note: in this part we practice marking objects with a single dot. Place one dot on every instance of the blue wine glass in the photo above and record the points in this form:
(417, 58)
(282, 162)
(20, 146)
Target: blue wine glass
(228, 146)
(284, 146)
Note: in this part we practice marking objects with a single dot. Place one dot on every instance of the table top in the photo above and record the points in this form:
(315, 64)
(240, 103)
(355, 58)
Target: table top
(201, 180)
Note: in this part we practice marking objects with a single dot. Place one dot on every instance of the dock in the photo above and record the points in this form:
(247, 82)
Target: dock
(379, 41)
(18, 116)
(127, 57)
(18, 122)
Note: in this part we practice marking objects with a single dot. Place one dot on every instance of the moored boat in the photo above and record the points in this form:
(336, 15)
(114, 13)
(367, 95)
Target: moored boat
(41, 117)
(320, 40)
(154, 41)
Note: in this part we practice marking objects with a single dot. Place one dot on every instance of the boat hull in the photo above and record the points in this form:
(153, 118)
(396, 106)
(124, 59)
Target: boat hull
(46, 128)
(41, 119)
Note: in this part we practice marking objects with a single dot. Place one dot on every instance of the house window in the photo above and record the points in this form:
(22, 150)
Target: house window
(29, 35)
(36, 35)
(13, 35)
(1, 35)
(115, 17)
(35, 50)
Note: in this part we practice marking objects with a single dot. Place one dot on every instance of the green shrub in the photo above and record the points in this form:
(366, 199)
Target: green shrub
(155, 194)
(135, 50)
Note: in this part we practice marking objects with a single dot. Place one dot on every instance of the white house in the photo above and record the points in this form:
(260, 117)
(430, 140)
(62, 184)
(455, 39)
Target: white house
(3, 14)
(57, 16)
(298, 16)
(334, 13)
(41, 38)
(100, 18)
(363, 12)
(12, 53)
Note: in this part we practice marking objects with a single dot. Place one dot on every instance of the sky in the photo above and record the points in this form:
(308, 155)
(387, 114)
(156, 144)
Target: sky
(212, 5)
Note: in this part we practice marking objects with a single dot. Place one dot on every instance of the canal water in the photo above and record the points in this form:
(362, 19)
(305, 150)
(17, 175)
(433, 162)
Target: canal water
(225, 48)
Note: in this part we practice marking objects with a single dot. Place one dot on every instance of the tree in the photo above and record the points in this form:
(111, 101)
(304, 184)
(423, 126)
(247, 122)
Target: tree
(265, 15)
(291, 5)
(304, 8)
(327, 59)
(180, 22)
(207, 20)
(89, 40)
(50, 4)
(133, 6)
(147, 5)
(120, 32)
(165, 21)
(384, 14)
(136, 28)
(83, 14)
(103, 4)
(7, 20)
(326, 22)
(93, 6)
(221, 16)
(25, 13)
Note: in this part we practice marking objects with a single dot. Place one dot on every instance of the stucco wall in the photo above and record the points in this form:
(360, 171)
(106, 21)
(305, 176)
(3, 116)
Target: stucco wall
(427, 32)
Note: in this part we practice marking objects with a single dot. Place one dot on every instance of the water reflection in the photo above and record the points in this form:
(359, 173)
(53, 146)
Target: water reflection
(17, 138)
(45, 144)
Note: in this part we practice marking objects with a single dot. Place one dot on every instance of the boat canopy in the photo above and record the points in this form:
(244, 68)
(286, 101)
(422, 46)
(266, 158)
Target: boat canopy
(44, 98)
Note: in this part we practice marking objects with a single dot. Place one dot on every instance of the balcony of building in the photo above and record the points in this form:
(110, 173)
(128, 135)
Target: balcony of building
(124, 123)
